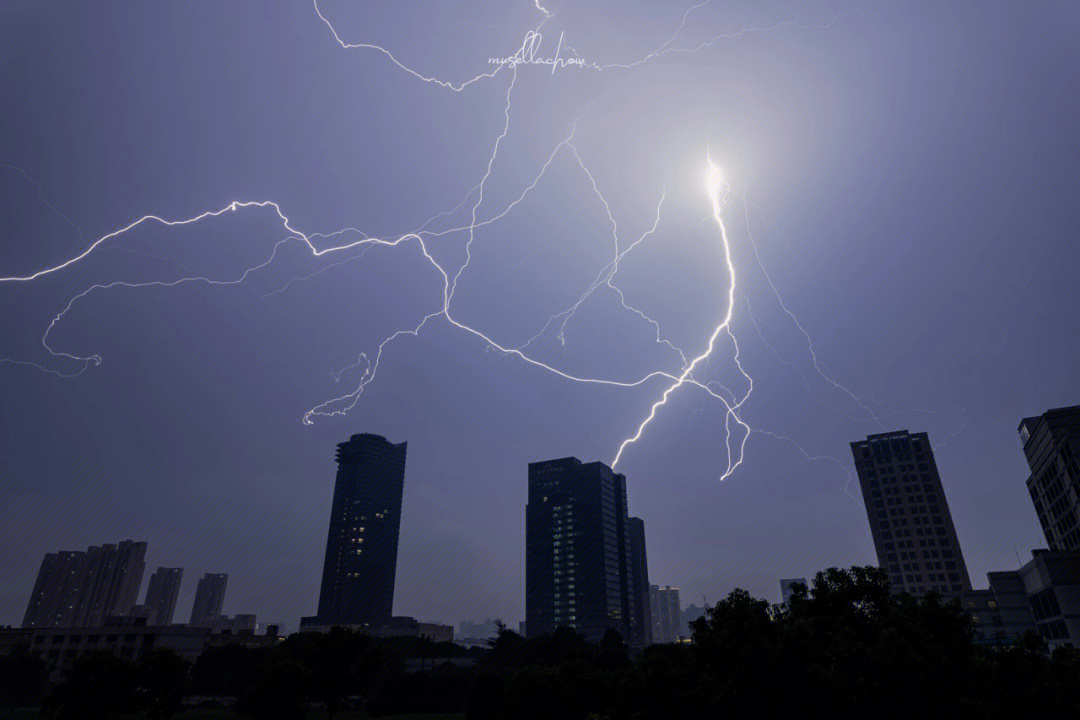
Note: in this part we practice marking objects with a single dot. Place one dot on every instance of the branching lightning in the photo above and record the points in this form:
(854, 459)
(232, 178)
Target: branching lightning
(714, 185)
(691, 370)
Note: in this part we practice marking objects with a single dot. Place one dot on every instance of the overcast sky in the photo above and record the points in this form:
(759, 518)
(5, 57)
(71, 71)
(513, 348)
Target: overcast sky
(910, 175)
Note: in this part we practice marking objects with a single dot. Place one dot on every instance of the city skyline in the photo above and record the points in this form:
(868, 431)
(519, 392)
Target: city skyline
(800, 180)
(897, 471)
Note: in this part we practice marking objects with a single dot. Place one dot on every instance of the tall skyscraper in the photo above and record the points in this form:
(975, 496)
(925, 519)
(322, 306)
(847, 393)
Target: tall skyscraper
(641, 622)
(161, 595)
(81, 589)
(209, 597)
(1051, 444)
(361, 547)
(580, 569)
(909, 517)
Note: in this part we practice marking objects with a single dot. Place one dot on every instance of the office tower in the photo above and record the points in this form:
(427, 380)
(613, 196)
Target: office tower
(161, 595)
(909, 517)
(667, 617)
(361, 547)
(787, 588)
(81, 589)
(209, 597)
(578, 569)
(1051, 444)
(656, 625)
(641, 622)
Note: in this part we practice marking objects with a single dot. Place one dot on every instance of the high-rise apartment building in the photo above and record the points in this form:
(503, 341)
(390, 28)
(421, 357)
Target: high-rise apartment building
(666, 608)
(209, 597)
(161, 594)
(909, 517)
(1052, 444)
(82, 589)
(581, 565)
(361, 547)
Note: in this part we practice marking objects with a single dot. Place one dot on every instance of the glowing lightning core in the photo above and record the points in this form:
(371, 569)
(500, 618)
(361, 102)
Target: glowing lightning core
(714, 184)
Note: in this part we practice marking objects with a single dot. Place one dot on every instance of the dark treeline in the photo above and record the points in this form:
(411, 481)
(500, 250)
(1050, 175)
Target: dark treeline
(847, 647)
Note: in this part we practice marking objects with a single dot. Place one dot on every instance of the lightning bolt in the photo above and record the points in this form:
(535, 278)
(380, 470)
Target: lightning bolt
(390, 56)
(341, 241)
(714, 184)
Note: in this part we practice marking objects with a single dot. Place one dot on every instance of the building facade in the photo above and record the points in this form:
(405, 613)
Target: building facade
(80, 589)
(641, 622)
(1001, 614)
(1051, 444)
(666, 606)
(209, 597)
(579, 556)
(161, 594)
(361, 547)
(909, 517)
(1051, 581)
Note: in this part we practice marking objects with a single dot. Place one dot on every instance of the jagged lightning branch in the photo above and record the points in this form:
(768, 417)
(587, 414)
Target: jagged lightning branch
(714, 183)
(342, 404)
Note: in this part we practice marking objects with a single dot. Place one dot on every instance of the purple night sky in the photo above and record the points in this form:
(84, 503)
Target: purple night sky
(905, 176)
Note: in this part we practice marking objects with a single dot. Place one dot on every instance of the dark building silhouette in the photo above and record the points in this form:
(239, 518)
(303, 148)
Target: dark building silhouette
(477, 630)
(161, 594)
(1001, 613)
(209, 597)
(1051, 581)
(129, 637)
(80, 589)
(787, 588)
(581, 564)
(689, 614)
(1051, 444)
(909, 517)
(641, 621)
(361, 547)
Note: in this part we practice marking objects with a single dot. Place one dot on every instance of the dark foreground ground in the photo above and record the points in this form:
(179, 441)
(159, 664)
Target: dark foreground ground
(847, 647)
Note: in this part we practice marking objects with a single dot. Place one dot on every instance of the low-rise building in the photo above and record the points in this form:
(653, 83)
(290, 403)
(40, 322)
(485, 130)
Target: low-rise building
(1051, 581)
(436, 632)
(127, 637)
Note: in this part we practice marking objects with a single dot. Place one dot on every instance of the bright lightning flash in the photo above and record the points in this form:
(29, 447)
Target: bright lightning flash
(714, 181)
(717, 190)
(714, 186)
